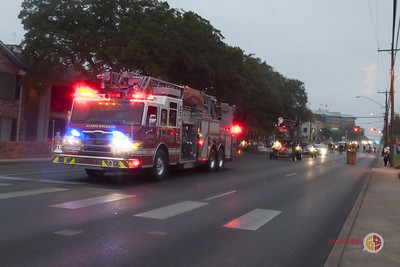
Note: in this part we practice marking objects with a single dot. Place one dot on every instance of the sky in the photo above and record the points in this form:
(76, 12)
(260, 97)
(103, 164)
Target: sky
(329, 45)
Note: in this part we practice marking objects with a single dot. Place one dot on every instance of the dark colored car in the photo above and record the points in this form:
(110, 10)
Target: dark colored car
(309, 149)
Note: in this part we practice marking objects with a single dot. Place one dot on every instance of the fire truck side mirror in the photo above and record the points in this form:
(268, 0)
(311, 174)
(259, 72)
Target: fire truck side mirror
(152, 120)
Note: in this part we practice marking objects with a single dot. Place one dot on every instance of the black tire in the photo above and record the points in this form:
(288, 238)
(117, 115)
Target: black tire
(160, 167)
(221, 160)
(312, 155)
(212, 161)
(299, 156)
(95, 173)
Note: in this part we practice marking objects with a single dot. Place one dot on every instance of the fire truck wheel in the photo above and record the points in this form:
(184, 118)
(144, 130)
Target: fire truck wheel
(160, 168)
(95, 173)
(212, 161)
(221, 159)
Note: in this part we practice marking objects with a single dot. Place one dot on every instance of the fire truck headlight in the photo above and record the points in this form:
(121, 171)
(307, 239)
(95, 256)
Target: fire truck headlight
(72, 141)
(120, 143)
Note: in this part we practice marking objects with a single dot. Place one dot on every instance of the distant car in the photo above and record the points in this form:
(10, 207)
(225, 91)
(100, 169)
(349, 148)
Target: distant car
(309, 149)
(321, 149)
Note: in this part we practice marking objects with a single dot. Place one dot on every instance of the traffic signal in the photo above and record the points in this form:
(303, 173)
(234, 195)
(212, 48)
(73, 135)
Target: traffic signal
(373, 129)
(356, 129)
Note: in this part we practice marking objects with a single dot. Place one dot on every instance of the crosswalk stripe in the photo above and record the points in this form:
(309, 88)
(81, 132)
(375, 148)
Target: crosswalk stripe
(30, 192)
(253, 220)
(171, 210)
(91, 201)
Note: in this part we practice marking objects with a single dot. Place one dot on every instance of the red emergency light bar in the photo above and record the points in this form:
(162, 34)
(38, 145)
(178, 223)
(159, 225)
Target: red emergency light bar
(85, 92)
(140, 96)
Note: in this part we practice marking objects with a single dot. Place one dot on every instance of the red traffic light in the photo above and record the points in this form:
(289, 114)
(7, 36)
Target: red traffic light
(356, 129)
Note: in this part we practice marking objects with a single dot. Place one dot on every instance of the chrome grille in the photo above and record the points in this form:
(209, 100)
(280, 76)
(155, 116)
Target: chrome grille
(96, 141)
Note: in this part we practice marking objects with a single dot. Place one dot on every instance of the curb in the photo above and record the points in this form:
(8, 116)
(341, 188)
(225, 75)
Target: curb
(336, 253)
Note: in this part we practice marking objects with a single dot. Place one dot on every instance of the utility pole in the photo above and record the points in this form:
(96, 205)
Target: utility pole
(392, 54)
(385, 144)
(392, 141)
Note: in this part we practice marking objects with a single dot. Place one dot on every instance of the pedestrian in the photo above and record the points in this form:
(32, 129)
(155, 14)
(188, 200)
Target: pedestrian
(386, 155)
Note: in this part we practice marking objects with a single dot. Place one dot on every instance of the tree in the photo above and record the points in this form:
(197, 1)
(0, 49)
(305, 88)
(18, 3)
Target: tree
(90, 36)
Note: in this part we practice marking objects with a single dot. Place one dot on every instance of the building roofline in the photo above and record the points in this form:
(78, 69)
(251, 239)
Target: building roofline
(13, 57)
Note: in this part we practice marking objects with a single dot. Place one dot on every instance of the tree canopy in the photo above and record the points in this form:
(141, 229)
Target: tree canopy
(91, 36)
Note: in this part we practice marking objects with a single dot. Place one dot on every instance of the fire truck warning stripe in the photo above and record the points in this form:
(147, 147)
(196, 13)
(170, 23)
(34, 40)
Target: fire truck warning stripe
(171, 210)
(91, 201)
(30, 192)
(253, 220)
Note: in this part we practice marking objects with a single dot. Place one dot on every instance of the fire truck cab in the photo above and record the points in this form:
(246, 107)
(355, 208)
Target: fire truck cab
(144, 122)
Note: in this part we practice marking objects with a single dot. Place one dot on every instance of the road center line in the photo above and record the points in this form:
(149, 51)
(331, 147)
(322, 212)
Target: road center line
(290, 174)
(221, 195)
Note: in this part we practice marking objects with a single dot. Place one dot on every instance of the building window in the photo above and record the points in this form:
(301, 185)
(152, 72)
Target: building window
(5, 129)
(305, 130)
(7, 86)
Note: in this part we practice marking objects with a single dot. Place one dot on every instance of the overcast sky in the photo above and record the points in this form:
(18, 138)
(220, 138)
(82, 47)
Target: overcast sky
(330, 45)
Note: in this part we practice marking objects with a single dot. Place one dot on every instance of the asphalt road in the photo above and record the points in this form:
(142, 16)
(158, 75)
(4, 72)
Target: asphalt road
(256, 212)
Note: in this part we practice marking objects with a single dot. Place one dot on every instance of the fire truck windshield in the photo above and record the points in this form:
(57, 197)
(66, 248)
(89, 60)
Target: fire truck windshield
(108, 112)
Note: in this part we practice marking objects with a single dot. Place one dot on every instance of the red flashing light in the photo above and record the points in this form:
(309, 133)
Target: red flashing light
(356, 129)
(140, 96)
(236, 129)
(85, 92)
(200, 142)
(135, 163)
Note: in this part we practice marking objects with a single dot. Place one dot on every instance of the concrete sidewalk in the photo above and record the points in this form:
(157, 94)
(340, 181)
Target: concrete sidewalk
(377, 210)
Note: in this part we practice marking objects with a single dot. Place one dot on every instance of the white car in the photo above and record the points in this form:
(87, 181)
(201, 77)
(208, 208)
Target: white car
(321, 149)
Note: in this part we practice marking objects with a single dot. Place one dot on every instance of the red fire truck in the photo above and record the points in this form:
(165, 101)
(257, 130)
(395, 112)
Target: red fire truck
(143, 122)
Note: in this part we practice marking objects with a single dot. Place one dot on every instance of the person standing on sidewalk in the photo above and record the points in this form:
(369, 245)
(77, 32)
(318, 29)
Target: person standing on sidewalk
(386, 155)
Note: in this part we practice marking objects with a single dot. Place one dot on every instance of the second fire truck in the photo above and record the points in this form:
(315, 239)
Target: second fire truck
(143, 122)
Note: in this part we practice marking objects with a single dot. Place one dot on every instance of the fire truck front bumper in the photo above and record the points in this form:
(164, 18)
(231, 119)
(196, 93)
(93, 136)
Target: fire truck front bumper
(98, 162)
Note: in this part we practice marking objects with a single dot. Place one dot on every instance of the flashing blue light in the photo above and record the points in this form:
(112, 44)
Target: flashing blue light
(75, 132)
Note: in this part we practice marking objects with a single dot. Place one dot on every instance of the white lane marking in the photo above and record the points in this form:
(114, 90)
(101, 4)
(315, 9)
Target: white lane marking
(2, 184)
(291, 174)
(45, 171)
(221, 195)
(39, 180)
(319, 166)
(91, 201)
(157, 233)
(253, 220)
(30, 192)
(67, 232)
(171, 210)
